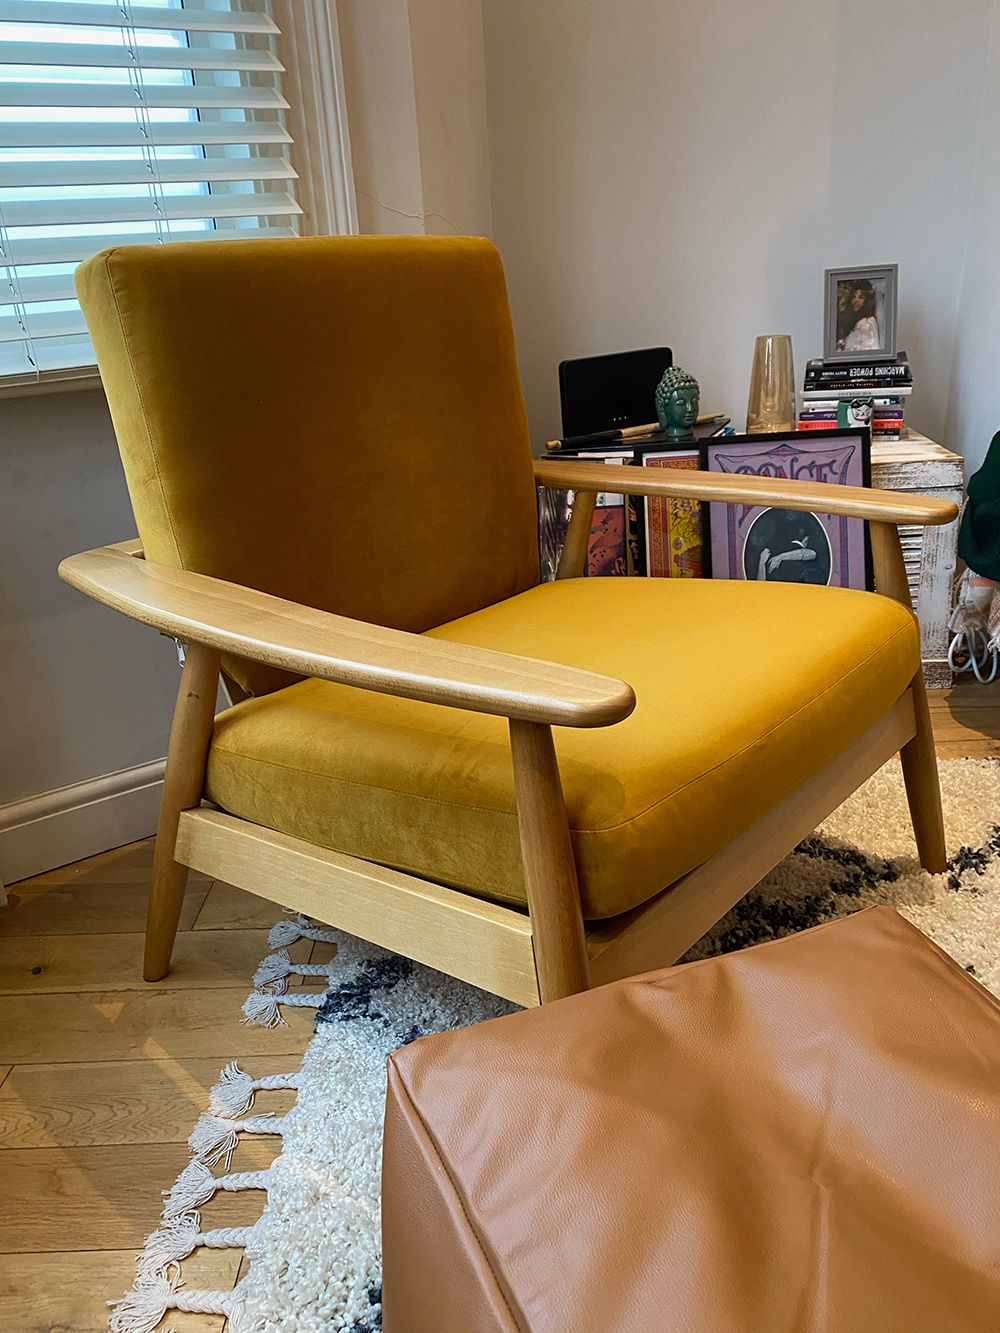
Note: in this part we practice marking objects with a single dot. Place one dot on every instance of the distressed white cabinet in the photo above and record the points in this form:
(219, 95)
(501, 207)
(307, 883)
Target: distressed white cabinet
(916, 463)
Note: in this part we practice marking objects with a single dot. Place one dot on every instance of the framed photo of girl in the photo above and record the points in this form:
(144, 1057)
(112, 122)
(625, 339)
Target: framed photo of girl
(860, 313)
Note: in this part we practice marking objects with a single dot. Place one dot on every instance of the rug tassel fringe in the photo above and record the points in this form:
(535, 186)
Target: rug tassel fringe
(264, 1007)
(158, 1284)
(214, 1137)
(195, 1185)
(277, 966)
(141, 1310)
(181, 1236)
(299, 928)
(233, 1095)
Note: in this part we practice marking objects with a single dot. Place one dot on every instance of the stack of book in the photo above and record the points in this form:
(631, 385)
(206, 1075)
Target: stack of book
(828, 384)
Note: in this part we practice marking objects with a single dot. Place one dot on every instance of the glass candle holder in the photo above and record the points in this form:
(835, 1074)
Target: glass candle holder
(771, 405)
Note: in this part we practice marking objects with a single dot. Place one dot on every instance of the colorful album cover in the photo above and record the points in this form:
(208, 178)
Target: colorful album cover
(612, 533)
(763, 543)
(608, 549)
(673, 528)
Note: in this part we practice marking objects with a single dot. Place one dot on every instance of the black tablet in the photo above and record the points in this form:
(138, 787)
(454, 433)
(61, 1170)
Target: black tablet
(607, 392)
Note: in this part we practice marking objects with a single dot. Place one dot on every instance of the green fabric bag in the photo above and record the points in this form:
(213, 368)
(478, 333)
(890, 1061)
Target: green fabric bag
(979, 533)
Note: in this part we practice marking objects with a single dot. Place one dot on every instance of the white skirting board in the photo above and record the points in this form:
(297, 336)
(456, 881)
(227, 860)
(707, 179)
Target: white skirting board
(57, 827)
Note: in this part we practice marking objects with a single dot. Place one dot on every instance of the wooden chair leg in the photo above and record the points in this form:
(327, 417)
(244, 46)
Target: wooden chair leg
(183, 783)
(918, 756)
(573, 559)
(549, 865)
(923, 792)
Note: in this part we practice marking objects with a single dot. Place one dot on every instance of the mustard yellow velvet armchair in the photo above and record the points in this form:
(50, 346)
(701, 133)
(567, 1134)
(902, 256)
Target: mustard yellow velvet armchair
(534, 787)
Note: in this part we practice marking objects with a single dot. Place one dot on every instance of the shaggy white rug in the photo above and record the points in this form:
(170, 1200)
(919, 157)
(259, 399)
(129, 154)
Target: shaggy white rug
(315, 1262)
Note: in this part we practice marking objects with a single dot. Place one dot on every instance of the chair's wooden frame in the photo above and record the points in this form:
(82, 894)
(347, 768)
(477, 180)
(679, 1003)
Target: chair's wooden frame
(547, 951)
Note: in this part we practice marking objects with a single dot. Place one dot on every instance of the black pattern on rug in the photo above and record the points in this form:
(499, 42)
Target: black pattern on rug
(373, 997)
(976, 859)
(368, 995)
(371, 1323)
(756, 919)
(365, 996)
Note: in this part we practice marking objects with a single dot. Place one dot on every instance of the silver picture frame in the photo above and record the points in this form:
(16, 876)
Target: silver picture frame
(882, 280)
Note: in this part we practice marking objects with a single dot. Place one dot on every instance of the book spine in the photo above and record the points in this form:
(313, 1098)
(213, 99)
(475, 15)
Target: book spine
(856, 391)
(891, 403)
(890, 419)
(869, 373)
(878, 428)
(830, 414)
(857, 369)
(622, 449)
(821, 363)
(859, 386)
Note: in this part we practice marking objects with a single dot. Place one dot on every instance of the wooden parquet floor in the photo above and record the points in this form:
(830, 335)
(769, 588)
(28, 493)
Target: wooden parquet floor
(103, 1076)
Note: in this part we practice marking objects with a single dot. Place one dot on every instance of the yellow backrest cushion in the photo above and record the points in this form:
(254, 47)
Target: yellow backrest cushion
(338, 421)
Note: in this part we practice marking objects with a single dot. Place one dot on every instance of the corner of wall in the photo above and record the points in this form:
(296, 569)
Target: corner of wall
(973, 403)
(418, 166)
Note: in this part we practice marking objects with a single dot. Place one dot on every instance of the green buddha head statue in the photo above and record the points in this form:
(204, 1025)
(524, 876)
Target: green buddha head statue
(677, 397)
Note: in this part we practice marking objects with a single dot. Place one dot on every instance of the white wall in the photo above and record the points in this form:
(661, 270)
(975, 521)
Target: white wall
(83, 692)
(381, 112)
(449, 73)
(974, 401)
(676, 172)
(415, 84)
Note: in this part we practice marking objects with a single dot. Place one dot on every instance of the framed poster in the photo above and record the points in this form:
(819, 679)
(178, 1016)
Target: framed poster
(763, 543)
(673, 529)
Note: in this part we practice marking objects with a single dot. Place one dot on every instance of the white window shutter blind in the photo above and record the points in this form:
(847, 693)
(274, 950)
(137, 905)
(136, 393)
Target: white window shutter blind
(123, 123)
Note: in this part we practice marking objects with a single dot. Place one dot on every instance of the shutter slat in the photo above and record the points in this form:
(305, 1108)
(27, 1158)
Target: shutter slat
(142, 16)
(94, 55)
(62, 325)
(26, 134)
(56, 288)
(55, 359)
(115, 95)
(58, 212)
(32, 175)
(74, 249)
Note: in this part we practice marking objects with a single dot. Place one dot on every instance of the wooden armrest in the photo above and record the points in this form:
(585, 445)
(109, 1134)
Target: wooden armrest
(254, 625)
(727, 488)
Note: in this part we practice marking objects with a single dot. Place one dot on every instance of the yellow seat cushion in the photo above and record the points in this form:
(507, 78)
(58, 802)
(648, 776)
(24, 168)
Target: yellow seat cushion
(744, 690)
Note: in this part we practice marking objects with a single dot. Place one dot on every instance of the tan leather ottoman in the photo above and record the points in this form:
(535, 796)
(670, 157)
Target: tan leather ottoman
(802, 1136)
